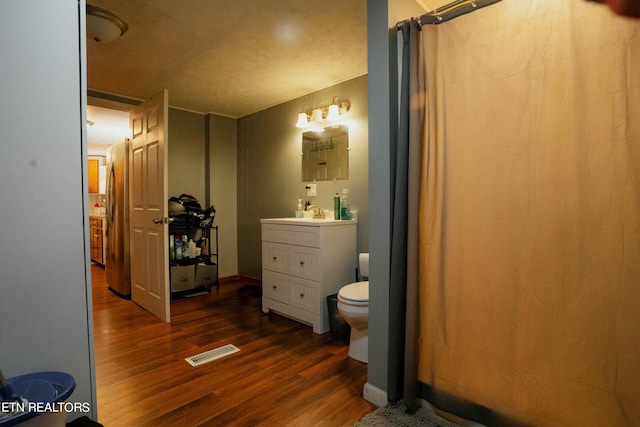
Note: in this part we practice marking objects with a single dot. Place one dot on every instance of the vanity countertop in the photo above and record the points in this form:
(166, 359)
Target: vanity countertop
(309, 221)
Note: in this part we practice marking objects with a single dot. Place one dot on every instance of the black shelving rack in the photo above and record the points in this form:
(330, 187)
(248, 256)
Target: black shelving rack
(197, 273)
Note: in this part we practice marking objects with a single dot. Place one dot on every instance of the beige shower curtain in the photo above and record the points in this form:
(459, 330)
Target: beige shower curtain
(530, 216)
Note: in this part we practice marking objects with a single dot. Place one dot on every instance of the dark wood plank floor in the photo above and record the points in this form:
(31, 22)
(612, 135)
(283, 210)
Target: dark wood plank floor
(284, 375)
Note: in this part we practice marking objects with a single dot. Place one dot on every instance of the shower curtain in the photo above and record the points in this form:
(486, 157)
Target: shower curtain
(529, 209)
(406, 157)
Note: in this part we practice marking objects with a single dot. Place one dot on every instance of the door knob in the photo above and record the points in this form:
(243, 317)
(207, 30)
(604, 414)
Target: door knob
(163, 220)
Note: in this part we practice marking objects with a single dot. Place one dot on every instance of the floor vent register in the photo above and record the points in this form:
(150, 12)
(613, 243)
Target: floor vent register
(211, 355)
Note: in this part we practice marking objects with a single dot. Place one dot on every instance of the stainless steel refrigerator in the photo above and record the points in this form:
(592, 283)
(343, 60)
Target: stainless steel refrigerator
(117, 266)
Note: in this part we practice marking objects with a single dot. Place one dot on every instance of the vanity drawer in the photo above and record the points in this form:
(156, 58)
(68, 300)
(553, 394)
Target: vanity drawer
(292, 234)
(305, 295)
(275, 286)
(274, 257)
(300, 261)
(305, 262)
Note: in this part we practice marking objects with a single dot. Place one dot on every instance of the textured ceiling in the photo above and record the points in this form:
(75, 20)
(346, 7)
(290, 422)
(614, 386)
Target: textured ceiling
(229, 57)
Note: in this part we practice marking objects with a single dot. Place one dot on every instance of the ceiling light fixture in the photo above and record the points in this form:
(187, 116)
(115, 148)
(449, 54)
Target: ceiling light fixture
(319, 115)
(103, 25)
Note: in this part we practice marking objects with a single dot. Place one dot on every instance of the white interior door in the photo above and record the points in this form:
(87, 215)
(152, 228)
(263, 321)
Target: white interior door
(148, 206)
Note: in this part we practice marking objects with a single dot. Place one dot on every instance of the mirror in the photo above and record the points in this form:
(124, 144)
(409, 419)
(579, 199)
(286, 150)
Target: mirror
(325, 154)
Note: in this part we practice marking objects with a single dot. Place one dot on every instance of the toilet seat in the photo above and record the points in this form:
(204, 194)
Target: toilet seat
(355, 293)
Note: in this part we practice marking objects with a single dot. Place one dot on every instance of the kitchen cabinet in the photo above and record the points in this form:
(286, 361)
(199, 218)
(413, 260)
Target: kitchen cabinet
(96, 240)
(93, 176)
(303, 262)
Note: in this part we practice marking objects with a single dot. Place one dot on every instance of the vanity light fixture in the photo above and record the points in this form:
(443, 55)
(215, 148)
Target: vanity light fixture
(303, 118)
(337, 109)
(334, 114)
(103, 25)
(319, 115)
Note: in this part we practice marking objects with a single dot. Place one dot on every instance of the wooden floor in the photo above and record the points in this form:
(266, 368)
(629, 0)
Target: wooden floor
(284, 375)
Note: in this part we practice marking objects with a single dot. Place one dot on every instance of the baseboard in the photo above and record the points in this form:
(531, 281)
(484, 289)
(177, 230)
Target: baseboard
(250, 280)
(238, 277)
(374, 395)
(228, 279)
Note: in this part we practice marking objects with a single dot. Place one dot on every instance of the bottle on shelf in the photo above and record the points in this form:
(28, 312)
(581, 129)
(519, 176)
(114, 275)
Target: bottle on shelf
(204, 246)
(192, 249)
(185, 247)
(336, 206)
(178, 249)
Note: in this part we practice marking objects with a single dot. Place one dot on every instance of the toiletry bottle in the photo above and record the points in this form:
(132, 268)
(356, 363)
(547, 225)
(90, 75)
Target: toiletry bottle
(172, 249)
(299, 209)
(192, 248)
(204, 246)
(345, 211)
(336, 206)
(178, 245)
(185, 247)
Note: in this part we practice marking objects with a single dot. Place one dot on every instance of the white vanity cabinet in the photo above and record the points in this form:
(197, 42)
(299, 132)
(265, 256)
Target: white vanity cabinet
(304, 261)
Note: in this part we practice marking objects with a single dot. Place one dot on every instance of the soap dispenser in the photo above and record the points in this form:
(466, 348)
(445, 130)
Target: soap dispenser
(299, 213)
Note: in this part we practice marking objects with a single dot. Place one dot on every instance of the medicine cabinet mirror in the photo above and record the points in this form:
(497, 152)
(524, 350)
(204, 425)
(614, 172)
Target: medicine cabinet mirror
(325, 154)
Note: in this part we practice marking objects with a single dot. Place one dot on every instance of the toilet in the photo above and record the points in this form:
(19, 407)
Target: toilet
(353, 305)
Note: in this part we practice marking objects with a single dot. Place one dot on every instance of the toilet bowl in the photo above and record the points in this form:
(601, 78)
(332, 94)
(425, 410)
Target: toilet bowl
(353, 305)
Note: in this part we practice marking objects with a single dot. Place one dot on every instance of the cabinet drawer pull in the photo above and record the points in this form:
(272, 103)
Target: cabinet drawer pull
(301, 263)
(302, 295)
(275, 287)
(275, 258)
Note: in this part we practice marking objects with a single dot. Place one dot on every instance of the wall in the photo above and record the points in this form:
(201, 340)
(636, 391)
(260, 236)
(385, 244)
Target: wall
(187, 154)
(222, 183)
(202, 163)
(379, 200)
(269, 168)
(45, 308)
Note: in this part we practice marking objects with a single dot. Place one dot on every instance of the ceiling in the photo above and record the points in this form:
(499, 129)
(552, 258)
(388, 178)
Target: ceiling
(231, 57)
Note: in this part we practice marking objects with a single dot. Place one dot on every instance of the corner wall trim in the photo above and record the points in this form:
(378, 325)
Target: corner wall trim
(374, 395)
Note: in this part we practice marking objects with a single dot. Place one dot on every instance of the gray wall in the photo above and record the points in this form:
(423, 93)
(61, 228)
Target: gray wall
(269, 168)
(379, 192)
(222, 182)
(187, 159)
(45, 299)
(202, 163)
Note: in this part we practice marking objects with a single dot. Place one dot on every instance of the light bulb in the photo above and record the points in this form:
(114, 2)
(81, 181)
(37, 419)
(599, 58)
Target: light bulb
(303, 122)
(316, 116)
(333, 115)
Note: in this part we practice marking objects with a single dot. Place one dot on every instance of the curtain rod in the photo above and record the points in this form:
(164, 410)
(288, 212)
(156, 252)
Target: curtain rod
(451, 10)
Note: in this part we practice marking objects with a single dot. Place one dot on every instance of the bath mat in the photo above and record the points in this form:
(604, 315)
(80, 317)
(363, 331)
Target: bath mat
(395, 415)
